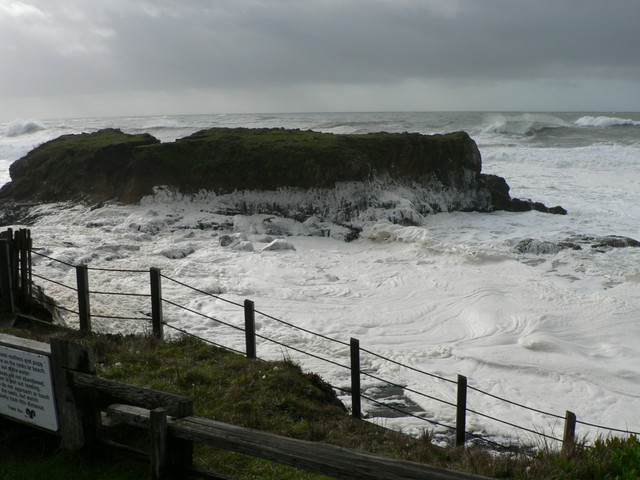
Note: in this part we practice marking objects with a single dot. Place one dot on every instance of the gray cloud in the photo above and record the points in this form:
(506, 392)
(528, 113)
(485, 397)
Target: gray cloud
(53, 48)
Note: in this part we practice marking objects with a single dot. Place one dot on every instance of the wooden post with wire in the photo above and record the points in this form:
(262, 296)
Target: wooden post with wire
(250, 328)
(569, 438)
(84, 308)
(156, 302)
(6, 285)
(356, 401)
(461, 412)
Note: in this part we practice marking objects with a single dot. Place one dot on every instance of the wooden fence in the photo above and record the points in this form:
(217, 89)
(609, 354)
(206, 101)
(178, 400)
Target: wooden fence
(81, 396)
(15, 269)
(15, 272)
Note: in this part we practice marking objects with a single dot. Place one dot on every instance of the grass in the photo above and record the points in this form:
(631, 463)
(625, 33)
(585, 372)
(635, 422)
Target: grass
(272, 396)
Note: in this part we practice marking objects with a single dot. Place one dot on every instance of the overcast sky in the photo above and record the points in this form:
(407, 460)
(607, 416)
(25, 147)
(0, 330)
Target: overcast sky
(147, 57)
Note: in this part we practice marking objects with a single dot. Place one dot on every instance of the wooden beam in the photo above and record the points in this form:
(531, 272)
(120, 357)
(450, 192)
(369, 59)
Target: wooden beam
(315, 457)
(101, 392)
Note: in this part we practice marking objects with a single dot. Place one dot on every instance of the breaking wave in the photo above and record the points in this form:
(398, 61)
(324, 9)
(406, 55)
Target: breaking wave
(603, 121)
(23, 127)
(525, 124)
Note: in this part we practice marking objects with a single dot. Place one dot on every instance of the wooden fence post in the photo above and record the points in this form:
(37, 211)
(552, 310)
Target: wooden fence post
(84, 308)
(6, 285)
(78, 425)
(156, 303)
(158, 435)
(250, 328)
(569, 438)
(23, 246)
(461, 412)
(180, 451)
(356, 405)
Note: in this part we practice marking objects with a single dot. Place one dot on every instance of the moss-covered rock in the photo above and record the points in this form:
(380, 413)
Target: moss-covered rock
(440, 172)
(92, 166)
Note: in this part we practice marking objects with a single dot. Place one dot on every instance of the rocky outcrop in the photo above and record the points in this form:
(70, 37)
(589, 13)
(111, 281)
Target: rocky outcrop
(293, 173)
(575, 242)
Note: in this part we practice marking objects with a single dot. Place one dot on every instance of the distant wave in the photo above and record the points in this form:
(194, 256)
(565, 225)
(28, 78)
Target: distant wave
(162, 123)
(526, 124)
(23, 127)
(603, 121)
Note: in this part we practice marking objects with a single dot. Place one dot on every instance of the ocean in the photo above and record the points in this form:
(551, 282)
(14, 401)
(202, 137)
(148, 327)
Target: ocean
(552, 329)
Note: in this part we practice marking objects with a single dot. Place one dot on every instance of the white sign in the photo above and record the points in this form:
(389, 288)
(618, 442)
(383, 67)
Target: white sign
(26, 388)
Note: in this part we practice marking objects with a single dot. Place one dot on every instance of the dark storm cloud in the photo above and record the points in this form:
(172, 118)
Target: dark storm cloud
(54, 47)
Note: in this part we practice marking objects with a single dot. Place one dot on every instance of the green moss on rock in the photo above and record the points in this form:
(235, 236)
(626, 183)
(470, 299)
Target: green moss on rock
(110, 164)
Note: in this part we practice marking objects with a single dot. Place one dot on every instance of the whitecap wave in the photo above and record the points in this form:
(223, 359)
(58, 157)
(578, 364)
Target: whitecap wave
(23, 127)
(163, 123)
(604, 121)
(525, 124)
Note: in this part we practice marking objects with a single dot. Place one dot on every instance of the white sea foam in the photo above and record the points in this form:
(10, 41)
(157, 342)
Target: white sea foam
(556, 331)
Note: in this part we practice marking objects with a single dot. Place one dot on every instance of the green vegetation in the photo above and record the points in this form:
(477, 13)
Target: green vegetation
(271, 396)
(240, 158)
(110, 164)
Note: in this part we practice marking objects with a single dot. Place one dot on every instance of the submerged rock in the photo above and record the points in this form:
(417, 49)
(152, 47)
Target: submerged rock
(576, 242)
(605, 242)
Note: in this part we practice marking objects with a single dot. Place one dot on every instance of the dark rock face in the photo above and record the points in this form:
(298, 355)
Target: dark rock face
(441, 172)
(74, 167)
(576, 242)
(501, 199)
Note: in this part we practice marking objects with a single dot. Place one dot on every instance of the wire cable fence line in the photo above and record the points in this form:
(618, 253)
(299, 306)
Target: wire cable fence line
(189, 334)
(195, 312)
(56, 305)
(35, 252)
(317, 357)
(408, 367)
(115, 317)
(515, 403)
(519, 427)
(121, 294)
(409, 414)
(202, 291)
(60, 284)
(601, 427)
(251, 335)
(302, 329)
(116, 270)
(408, 389)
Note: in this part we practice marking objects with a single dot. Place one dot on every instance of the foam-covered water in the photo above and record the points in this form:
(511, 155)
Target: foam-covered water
(556, 331)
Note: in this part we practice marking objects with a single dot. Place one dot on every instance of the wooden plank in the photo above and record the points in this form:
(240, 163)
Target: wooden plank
(320, 458)
(25, 344)
(315, 457)
(101, 392)
(136, 416)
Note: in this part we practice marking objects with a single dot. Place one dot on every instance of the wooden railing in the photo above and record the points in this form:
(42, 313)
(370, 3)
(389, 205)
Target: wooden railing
(15, 271)
(173, 429)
